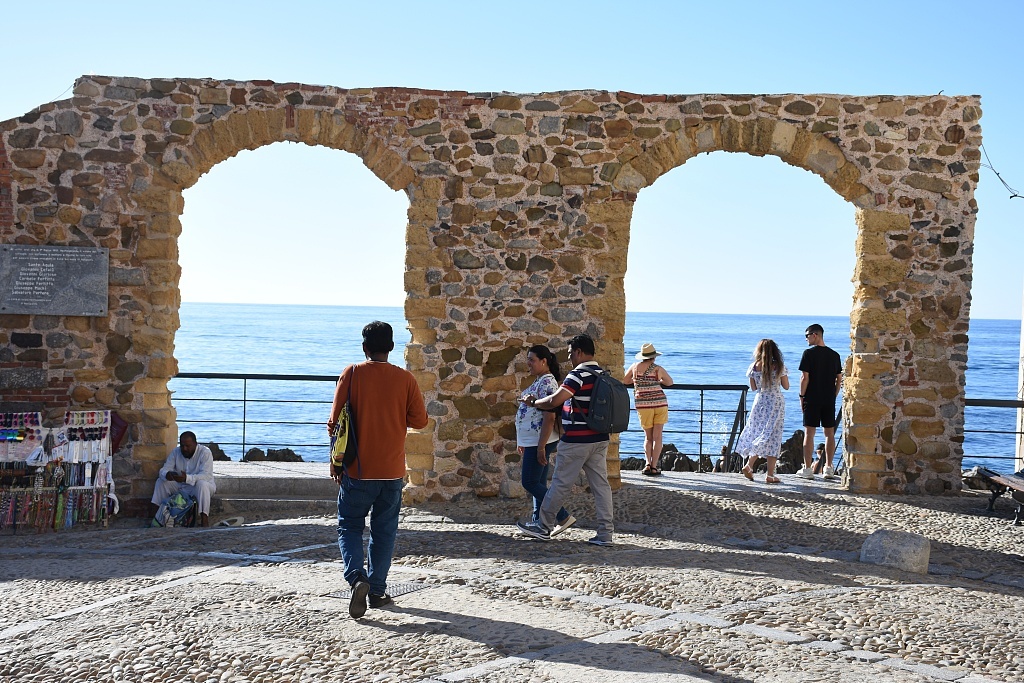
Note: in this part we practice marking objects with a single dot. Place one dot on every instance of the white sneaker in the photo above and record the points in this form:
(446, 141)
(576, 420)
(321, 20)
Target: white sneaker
(805, 473)
(829, 472)
(562, 526)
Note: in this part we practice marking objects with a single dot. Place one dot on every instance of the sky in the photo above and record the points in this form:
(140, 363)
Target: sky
(724, 233)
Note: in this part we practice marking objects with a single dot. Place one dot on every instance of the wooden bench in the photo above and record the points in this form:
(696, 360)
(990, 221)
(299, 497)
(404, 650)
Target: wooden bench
(998, 484)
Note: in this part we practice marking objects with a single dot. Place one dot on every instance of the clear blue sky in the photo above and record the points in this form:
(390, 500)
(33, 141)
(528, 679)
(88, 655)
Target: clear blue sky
(700, 234)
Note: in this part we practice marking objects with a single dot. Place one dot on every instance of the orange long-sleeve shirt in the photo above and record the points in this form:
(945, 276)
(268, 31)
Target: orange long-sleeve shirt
(386, 401)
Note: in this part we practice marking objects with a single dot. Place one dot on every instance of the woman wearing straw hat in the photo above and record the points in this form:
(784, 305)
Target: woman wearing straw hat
(647, 379)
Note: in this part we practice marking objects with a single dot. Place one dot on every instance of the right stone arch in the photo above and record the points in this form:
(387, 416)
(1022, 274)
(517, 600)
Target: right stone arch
(903, 407)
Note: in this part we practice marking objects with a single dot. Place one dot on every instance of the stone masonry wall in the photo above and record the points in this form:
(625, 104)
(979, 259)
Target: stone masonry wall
(518, 229)
(6, 199)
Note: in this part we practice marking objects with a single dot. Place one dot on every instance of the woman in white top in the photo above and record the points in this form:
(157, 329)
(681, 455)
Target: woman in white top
(762, 435)
(536, 436)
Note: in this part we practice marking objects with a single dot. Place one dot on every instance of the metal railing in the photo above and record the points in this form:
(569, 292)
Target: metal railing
(1015, 433)
(698, 427)
(737, 415)
(245, 402)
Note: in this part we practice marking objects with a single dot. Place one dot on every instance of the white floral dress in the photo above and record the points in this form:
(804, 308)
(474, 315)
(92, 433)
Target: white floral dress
(762, 436)
(529, 420)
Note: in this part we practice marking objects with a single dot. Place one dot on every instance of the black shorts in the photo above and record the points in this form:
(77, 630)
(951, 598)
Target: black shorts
(819, 413)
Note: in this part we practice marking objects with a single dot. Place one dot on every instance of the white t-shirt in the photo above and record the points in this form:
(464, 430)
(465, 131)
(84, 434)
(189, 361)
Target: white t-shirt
(529, 420)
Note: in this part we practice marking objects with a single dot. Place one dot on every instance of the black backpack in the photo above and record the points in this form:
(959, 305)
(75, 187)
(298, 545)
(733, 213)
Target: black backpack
(609, 404)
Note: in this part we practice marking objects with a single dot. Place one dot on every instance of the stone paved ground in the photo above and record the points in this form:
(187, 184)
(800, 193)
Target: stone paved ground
(711, 579)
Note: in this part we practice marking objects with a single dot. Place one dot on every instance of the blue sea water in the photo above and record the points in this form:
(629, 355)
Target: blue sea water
(697, 348)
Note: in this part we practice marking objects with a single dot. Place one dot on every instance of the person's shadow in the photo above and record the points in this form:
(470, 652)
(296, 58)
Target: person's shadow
(532, 643)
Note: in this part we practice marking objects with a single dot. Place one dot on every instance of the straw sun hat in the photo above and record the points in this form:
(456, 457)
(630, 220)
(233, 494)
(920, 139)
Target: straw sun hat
(647, 352)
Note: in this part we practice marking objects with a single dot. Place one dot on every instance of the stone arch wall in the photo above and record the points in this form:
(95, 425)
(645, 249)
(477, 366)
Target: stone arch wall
(518, 230)
(911, 173)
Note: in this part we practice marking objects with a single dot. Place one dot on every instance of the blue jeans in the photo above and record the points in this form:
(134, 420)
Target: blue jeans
(535, 478)
(381, 499)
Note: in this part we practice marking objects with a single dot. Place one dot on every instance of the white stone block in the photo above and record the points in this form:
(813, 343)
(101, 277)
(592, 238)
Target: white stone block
(899, 549)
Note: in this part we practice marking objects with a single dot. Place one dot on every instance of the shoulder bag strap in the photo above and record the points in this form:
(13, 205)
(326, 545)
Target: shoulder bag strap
(573, 400)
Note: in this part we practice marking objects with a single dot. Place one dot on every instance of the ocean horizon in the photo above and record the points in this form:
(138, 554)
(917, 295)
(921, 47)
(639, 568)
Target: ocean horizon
(697, 348)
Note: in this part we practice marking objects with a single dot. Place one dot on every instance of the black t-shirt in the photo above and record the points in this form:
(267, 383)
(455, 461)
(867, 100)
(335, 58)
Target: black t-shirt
(822, 364)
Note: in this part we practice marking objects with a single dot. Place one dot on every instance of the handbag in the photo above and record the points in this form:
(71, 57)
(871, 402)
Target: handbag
(344, 444)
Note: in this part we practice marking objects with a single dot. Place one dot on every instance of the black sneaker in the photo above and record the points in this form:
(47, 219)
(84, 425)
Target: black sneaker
(378, 601)
(357, 605)
(534, 530)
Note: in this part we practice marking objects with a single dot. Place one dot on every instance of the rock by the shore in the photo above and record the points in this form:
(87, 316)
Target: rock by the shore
(272, 455)
(791, 457)
(283, 455)
(218, 453)
(254, 455)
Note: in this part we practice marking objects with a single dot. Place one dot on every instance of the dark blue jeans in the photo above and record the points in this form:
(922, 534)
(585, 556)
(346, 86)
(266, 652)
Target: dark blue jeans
(381, 499)
(535, 478)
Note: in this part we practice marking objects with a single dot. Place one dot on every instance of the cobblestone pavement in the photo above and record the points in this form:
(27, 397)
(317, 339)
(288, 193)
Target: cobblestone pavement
(711, 578)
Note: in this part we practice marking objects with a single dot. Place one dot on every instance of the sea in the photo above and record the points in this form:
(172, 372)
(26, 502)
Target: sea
(698, 349)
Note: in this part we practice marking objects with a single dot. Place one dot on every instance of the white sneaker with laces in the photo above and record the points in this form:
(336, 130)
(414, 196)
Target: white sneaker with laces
(830, 473)
(805, 473)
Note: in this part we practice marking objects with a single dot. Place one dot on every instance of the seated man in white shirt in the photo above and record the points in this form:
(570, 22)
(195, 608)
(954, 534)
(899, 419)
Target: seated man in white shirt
(189, 469)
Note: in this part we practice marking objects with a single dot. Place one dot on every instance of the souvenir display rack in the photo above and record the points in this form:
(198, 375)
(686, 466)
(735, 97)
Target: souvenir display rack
(54, 478)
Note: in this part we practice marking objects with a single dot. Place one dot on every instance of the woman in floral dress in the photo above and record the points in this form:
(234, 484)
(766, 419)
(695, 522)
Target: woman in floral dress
(762, 436)
(536, 436)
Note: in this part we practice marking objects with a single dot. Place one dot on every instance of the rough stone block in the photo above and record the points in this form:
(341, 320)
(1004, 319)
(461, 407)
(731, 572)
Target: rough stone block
(867, 462)
(27, 340)
(419, 461)
(863, 482)
(213, 96)
(23, 378)
(899, 549)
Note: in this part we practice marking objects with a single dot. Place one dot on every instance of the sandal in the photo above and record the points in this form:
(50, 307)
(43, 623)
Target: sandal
(655, 472)
(747, 473)
(772, 480)
(648, 471)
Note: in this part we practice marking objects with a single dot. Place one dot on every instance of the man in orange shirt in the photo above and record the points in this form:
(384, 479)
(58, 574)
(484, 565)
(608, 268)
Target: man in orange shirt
(385, 401)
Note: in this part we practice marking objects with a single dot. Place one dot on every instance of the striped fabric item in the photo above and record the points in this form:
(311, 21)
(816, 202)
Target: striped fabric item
(647, 390)
(580, 383)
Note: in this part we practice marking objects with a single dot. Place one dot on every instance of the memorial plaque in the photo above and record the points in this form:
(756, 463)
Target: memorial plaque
(53, 280)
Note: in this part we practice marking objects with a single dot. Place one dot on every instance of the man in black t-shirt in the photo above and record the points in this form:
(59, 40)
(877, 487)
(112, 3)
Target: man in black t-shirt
(821, 375)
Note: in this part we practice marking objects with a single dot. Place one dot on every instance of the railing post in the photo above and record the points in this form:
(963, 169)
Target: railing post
(245, 398)
(700, 436)
(738, 420)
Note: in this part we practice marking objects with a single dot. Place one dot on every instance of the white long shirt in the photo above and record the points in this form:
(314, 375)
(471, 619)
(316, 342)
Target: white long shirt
(197, 468)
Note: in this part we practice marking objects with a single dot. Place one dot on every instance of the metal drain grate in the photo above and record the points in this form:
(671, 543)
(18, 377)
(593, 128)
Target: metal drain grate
(394, 590)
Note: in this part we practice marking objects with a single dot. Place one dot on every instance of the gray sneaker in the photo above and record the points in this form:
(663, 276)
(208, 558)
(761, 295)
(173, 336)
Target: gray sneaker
(533, 530)
(562, 526)
(806, 473)
(597, 540)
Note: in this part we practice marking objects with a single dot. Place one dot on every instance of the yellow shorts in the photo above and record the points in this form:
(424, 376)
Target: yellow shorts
(652, 416)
